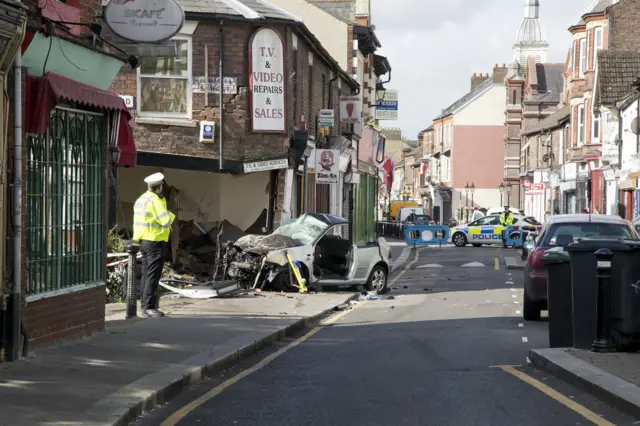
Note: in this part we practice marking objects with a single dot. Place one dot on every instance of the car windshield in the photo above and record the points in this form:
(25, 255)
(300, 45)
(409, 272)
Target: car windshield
(531, 221)
(305, 230)
(567, 233)
(420, 218)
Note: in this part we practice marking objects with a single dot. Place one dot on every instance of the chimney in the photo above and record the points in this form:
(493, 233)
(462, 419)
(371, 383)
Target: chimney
(500, 73)
(477, 79)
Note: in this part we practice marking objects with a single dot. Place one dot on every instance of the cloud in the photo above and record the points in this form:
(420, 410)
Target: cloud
(434, 46)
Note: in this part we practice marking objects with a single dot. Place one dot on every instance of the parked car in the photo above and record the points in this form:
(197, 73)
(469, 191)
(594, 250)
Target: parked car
(419, 219)
(317, 243)
(560, 231)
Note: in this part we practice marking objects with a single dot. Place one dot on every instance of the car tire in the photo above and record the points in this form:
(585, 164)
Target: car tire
(477, 245)
(378, 273)
(531, 310)
(459, 239)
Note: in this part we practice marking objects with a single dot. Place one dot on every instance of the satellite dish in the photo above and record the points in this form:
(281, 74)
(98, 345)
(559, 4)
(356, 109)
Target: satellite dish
(634, 126)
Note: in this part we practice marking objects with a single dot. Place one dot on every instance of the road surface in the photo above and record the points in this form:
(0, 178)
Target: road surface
(449, 349)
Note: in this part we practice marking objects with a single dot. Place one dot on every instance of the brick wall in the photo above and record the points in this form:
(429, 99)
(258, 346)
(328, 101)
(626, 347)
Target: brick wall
(624, 32)
(70, 316)
(239, 143)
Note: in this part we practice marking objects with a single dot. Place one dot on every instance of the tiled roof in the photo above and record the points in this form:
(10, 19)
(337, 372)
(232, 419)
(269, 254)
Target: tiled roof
(250, 9)
(596, 6)
(466, 98)
(552, 121)
(616, 72)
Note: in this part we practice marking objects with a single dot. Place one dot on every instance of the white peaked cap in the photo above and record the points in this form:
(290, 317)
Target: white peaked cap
(154, 179)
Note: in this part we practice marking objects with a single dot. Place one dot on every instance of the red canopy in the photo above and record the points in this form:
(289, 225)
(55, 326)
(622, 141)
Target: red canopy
(44, 93)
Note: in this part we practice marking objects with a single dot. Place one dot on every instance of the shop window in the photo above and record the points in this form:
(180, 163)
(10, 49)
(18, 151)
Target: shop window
(164, 83)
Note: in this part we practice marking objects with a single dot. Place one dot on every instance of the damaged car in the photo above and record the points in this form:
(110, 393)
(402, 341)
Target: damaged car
(320, 246)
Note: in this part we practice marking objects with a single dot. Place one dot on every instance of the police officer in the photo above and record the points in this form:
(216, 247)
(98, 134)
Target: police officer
(506, 219)
(151, 228)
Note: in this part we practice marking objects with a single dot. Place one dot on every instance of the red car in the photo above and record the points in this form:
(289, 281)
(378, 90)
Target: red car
(562, 230)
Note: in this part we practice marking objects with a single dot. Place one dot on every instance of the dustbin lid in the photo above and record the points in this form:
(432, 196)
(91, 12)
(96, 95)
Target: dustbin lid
(555, 255)
(597, 243)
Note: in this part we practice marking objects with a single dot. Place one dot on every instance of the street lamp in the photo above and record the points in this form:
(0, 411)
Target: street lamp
(466, 201)
(508, 187)
(473, 188)
(501, 188)
(461, 216)
(115, 152)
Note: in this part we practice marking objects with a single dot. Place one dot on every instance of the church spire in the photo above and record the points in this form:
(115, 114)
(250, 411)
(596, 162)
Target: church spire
(529, 41)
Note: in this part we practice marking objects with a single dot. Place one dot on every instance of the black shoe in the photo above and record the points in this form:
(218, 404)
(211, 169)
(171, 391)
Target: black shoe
(152, 313)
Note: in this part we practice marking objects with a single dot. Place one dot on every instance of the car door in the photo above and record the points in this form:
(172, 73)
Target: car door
(478, 230)
(492, 230)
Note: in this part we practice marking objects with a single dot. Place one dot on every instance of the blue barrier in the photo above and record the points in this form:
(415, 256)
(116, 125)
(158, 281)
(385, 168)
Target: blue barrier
(513, 238)
(423, 235)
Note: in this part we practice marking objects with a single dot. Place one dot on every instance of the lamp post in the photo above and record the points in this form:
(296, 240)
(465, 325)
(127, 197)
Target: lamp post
(508, 187)
(466, 201)
(501, 188)
(473, 188)
(461, 208)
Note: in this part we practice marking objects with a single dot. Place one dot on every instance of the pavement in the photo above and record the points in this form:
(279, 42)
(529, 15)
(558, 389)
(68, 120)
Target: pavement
(613, 377)
(112, 378)
(450, 348)
(514, 262)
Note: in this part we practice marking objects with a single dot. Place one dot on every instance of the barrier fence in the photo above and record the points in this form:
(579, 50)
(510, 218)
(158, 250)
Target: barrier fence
(390, 230)
(423, 235)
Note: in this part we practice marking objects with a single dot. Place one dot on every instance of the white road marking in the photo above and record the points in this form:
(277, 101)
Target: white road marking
(520, 325)
(514, 295)
(517, 312)
(516, 302)
(514, 289)
(430, 265)
(472, 265)
(524, 339)
(528, 360)
(509, 282)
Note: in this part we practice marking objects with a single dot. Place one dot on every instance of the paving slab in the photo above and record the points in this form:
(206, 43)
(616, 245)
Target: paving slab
(613, 378)
(113, 377)
(514, 263)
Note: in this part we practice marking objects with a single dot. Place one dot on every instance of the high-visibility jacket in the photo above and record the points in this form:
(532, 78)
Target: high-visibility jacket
(151, 219)
(506, 219)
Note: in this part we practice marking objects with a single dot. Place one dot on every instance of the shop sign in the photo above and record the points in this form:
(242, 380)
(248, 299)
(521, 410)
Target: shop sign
(230, 85)
(326, 118)
(128, 101)
(350, 109)
(263, 166)
(327, 165)
(267, 82)
(144, 21)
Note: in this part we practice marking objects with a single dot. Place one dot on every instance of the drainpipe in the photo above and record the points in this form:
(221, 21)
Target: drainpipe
(221, 96)
(620, 136)
(16, 296)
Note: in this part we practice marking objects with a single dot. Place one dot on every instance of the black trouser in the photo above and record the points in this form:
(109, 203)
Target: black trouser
(152, 263)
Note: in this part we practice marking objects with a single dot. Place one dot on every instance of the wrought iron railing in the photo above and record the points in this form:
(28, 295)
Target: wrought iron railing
(65, 201)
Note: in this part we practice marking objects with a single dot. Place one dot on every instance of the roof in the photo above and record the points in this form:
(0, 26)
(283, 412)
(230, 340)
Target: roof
(596, 7)
(249, 9)
(551, 122)
(584, 217)
(467, 98)
(615, 73)
(550, 82)
(328, 218)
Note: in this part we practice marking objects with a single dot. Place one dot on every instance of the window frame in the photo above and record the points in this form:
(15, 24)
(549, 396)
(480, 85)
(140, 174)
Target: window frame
(581, 126)
(596, 119)
(582, 67)
(189, 79)
(596, 48)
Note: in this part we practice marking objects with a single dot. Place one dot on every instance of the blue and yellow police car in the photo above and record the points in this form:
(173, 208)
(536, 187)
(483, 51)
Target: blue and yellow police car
(486, 230)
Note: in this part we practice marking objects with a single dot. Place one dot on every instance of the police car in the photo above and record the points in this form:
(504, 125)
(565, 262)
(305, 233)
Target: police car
(486, 230)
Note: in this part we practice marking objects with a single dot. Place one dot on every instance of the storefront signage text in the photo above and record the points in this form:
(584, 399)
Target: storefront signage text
(144, 21)
(263, 166)
(267, 82)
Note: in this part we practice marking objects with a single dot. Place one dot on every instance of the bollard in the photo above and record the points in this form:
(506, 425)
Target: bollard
(604, 341)
(132, 304)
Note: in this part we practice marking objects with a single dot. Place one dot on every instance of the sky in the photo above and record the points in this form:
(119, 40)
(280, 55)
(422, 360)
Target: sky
(435, 46)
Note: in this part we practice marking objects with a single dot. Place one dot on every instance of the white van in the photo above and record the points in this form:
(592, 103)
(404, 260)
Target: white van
(498, 210)
(405, 212)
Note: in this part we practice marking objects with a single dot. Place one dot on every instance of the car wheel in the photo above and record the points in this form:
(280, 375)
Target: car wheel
(459, 239)
(531, 310)
(477, 245)
(377, 280)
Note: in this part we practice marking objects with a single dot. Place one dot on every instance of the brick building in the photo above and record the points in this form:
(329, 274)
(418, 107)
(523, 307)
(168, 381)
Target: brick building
(259, 171)
(58, 164)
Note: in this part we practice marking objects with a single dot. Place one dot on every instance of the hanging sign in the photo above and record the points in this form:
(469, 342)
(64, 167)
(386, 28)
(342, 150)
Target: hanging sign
(350, 109)
(144, 21)
(326, 118)
(267, 82)
(327, 165)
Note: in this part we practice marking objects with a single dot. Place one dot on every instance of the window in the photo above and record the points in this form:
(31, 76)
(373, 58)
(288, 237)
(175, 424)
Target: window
(580, 140)
(575, 61)
(598, 39)
(595, 127)
(583, 56)
(164, 83)
(567, 233)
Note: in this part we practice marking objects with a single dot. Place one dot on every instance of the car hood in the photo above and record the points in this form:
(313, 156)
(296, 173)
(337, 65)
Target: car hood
(263, 244)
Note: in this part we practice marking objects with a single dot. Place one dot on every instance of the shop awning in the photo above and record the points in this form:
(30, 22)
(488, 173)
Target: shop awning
(44, 93)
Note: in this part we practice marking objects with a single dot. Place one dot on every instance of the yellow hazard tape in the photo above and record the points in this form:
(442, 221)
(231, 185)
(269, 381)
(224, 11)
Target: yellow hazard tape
(296, 272)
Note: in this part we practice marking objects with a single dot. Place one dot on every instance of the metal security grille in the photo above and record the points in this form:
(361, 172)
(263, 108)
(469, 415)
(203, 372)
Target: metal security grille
(65, 200)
